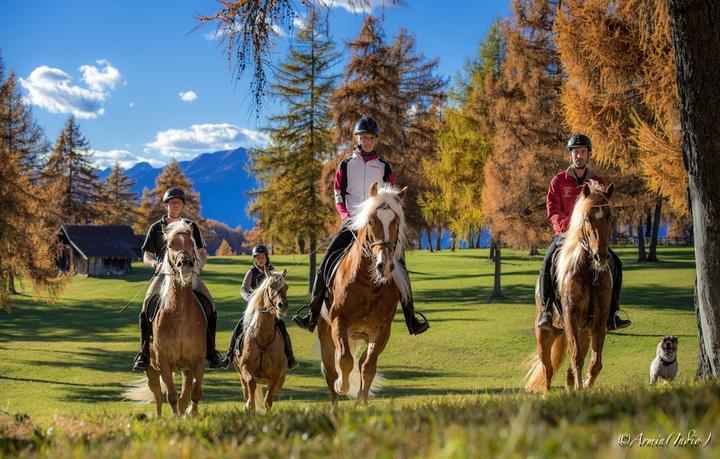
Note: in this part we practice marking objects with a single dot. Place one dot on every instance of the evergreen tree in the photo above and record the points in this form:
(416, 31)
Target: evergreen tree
(224, 250)
(288, 204)
(117, 205)
(71, 180)
(152, 207)
(27, 238)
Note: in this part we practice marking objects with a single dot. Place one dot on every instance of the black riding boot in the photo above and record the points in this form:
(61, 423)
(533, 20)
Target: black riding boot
(237, 335)
(614, 320)
(414, 326)
(309, 320)
(292, 363)
(142, 358)
(547, 287)
(213, 356)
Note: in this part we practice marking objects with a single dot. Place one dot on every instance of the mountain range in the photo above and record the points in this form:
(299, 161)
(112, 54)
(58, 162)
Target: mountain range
(221, 179)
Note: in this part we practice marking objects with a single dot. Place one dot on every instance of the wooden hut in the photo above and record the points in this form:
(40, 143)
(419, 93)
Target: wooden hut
(98, 250)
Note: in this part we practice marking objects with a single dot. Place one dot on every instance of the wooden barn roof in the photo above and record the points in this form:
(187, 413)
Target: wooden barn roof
(106, 241)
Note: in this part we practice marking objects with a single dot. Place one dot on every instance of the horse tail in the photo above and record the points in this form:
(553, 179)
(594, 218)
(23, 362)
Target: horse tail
(139, 391)
(535, 377)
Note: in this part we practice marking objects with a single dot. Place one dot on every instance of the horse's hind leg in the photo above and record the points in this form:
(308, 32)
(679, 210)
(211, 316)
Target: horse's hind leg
(344, 361)
(185, 391)
(368, 369)
(272, 389)
(327, 354)
(196, 395)
(154, 384)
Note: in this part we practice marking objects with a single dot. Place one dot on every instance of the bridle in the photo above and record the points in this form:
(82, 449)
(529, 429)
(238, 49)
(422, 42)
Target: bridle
(367, 246)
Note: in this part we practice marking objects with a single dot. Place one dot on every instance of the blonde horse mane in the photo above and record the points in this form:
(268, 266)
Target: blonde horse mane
(570, 252)
(387, 196)
(172, 230)
(257, 299)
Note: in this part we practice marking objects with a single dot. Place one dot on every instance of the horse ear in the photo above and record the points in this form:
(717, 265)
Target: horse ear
(284, 273)
(373, 189)
(610, 190)
(401, 194)
(586, 190)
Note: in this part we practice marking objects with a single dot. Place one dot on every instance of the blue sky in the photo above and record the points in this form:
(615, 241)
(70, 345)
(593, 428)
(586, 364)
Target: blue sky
(145, 86)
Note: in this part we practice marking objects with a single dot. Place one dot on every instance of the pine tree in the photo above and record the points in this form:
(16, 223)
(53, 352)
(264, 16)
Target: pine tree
(71, 180)
(152, 207)
(288, 204)
(117, 205)
(398, 87)
(224, 250)
(27, 238)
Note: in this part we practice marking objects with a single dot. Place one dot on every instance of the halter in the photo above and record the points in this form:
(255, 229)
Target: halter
(383, 244)
(584, 242)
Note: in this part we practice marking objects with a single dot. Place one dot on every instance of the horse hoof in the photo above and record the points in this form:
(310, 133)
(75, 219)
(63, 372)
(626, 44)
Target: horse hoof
(338, 388)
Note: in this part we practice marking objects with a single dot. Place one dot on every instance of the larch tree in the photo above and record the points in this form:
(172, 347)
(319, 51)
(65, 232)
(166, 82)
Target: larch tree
(172, 175)
(695, 33)
(288, 203)
(27, 236)
(71, 182)
(118, 203)
(224, 250)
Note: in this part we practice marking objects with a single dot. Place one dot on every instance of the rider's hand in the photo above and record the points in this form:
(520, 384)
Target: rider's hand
(157, 265)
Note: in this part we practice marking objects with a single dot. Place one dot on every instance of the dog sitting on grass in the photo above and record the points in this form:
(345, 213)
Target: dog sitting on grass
(665, 365)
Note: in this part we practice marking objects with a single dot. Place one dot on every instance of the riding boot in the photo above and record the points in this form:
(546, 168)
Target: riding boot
(614, 320)
(237, 335)
(213, 356)
(292, 363)
(546, 289)
(414, 326)
(309, 320)
(545, 319)
(141, 359)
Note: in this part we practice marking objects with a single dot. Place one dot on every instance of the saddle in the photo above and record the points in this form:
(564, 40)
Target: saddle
(200, 300)
(333, 263)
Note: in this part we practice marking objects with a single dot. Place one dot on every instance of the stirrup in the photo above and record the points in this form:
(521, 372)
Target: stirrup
(297, 313)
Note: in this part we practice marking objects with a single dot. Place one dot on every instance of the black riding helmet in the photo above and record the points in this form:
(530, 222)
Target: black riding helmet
(174, 192)
(260, 248)
(366, 125)
(579, 140)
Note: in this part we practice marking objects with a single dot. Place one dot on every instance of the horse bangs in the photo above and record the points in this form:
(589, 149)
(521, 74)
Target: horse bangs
(175, 228)
(256, 299)
(571, 249)
(386, 195)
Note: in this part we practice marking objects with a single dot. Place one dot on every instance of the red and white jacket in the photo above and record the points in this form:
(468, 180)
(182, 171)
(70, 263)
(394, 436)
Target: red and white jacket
(353, 179)
(564, 189)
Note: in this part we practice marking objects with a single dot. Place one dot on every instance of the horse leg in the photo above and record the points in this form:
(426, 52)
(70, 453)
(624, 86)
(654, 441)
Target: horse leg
(272, 389)
(251, 388)
(154, 384)
(598, 341)
(197, 379)
(343, 357)
(184, 398)
(172, 397)
(583, 347)
(544, 340)
(368, 369)
(327, 354)
(576, 362)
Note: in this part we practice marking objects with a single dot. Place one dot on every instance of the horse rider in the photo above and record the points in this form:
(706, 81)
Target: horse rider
(564, 189)
(254, 277)
(153, 254)
(353, 178)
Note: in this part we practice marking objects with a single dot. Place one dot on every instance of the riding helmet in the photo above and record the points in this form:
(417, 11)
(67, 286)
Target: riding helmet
(258, 249)
(174, 192)
(579, 140)
(366, 125)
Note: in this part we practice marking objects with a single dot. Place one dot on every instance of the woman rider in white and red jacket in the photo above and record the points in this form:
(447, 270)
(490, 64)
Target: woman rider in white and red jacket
(353, 179)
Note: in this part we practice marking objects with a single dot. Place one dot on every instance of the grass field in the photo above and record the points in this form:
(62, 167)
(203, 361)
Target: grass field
(63, 367)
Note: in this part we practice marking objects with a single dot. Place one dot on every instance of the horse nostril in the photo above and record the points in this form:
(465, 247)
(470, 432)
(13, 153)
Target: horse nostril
(596, 257)
(380, 267)
(392, 266)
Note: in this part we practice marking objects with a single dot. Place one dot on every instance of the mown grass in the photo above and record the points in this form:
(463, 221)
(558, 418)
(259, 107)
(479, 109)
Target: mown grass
(452, 389)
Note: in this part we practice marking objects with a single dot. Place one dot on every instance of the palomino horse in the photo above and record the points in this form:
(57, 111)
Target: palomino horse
(584, 287)
(364, 295)
(262, 359)
(178, 329)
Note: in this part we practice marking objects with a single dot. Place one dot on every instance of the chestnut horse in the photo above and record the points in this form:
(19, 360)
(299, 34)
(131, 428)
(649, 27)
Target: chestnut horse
(364, 294)
(584, 287)
(178, 329)
(262, 358)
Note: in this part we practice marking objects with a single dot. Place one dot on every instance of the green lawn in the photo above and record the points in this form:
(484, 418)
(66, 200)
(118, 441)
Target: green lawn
(66, 363)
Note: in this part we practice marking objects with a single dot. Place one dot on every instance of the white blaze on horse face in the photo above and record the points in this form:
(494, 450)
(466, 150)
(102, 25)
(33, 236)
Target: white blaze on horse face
(599, 214)
(386, 216)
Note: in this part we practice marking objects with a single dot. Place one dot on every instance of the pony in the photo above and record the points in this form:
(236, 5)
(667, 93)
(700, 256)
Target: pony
(584, 287)
(364, 294)
(262, 360)
(179, 330)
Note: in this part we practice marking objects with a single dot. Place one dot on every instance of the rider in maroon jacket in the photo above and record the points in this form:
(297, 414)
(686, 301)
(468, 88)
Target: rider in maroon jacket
(564, 189)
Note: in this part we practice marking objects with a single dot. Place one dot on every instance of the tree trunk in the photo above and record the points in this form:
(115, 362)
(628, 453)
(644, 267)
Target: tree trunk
(453, 238)
(438, 238)
(428, 235)
(313, 263)
(652, 254)
(641, 242)
(695, 32)
(11, 283)
(477, 240)
(497, 289)
(533, 250)
(301, 245)
(648, 224)
(491, 252)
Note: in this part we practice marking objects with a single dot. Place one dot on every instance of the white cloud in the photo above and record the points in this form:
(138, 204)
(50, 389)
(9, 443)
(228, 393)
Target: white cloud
(131, 104)
(278, 30)
(52, 89)
(354, 6)
(299, 22)
(126, 159)
(188, 96)
(99, 79)
(200, 138)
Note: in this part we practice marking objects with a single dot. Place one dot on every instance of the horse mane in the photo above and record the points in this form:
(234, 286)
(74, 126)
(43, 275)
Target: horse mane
(571, 250)
(256, 300)
(172, 230)
(387, 195)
